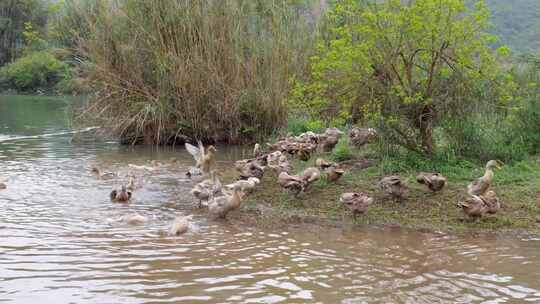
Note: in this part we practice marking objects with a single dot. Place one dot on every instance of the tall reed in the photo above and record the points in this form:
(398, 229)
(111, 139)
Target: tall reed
(212, 69)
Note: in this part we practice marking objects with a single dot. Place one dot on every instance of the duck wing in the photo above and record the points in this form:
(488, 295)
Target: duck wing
(197, 153)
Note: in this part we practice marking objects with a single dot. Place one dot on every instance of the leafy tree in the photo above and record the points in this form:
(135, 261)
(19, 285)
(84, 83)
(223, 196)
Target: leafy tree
(407, 66)
(15, 17)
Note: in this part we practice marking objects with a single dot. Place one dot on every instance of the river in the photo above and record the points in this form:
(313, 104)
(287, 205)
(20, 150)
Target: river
(61, 240)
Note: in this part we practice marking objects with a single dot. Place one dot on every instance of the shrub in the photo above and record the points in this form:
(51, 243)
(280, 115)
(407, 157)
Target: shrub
(214, 70)
(484, 137)
(405, 65)
(38, 70)
(297, 125)
(342, 151)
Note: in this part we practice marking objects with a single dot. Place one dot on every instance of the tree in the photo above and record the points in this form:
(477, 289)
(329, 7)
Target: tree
(406, 66)
(15, 16)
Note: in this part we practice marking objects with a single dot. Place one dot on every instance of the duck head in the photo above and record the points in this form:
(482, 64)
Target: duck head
(494, 164)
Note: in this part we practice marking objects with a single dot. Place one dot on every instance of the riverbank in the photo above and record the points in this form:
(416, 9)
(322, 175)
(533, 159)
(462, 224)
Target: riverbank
(517, 186)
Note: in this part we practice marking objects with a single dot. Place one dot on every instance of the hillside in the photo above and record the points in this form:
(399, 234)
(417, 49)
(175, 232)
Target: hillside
(517, 23)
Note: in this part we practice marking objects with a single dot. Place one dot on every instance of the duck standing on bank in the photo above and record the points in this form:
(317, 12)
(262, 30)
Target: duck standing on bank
(310, 175)
(434, 181)
(481, 185)
(357, 203)
(291, 183)
(474, 207)
(394, 187)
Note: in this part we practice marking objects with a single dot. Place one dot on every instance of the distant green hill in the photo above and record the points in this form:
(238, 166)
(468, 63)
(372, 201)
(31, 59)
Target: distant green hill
(517, 23)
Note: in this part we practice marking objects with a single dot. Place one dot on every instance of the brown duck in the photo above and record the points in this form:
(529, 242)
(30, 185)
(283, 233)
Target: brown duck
(481, 185)
(292, 183)
(434, 181)
(121, 196)
(357, 203)
(394, 187)
(474, 207)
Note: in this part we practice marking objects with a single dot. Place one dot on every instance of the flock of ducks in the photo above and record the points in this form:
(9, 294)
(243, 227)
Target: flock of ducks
(221, 200)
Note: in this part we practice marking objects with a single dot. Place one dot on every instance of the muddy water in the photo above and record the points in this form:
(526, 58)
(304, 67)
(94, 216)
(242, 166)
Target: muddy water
(61, 240)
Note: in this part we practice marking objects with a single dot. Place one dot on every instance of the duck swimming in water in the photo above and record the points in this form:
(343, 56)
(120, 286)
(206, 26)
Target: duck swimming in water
(204, 160)
(220, 206)
(121, 196)
(180, 225)
(103, 175)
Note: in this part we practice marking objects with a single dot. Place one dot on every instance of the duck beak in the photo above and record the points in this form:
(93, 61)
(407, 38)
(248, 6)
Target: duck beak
(499, 164)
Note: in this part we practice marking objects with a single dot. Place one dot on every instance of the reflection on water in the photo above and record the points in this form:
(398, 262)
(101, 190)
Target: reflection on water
(61, 241)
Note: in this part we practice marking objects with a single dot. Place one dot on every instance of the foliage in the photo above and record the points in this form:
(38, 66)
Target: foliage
(18, 17)
(38, 70)
(214, 70)
(298, 125)
(342, 151)
(526, 119)
(407, 67)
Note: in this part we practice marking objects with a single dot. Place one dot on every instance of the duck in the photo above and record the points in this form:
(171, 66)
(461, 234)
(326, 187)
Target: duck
(323, 164)
(247, 186)
(474, 207)
(358, 203)
(194, 172)
(292, 183)
(434, 181)
(284, 165)
(394, 187)
(492, 202)
(207, 188)
(205, 160)
(303, 151)
(3, 186)
(308, 137)
(180, 225)
(251, 169)
(220, 206)
(257, 150)
(273, 158)
(334, 173)
(133, 184)
(328, 142)
(333, 132)
(310, 175)
(134, 219)
(121, 196)
(103, 175)
(360, 137)
(482, 184)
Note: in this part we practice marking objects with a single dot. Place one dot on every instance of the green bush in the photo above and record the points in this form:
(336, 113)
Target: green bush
(297, 126)
(38, 70)
(342, 151)
(527, 126)
(484, 137)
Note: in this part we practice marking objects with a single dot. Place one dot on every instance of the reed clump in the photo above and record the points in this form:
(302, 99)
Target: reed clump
(163, 71)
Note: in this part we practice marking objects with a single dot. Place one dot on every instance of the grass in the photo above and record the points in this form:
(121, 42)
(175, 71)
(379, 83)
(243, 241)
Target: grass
(213, 70)
(517, 185)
